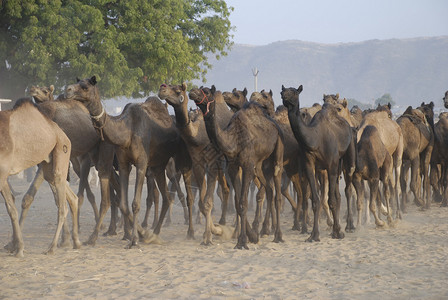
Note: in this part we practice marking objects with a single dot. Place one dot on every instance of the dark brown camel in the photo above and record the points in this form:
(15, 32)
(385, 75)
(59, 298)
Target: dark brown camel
(418, 142)
(439, 159)
(250, 138)
(29, 138)
(235, 99)
(326, 141)
(144, 136)
(206, 158)
(75, 121)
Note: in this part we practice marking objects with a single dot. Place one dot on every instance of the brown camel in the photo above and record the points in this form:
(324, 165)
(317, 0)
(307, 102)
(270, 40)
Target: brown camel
(192, 130)
(30, 138)
(326, 141)
(75, 121)
(235, 99)
(373, 163)
(144, 136)
(392, 138)
(439, 159)
(418, 142)
(250, 138)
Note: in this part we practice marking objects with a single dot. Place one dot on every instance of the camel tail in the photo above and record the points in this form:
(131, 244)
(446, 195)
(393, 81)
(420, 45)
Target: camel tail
(279, 148)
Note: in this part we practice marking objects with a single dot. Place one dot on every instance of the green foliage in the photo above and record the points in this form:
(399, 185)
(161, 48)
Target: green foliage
(385, 99)
(131, 46)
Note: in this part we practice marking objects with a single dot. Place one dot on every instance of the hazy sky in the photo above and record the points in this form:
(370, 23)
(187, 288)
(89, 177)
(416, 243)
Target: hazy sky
(260, 22)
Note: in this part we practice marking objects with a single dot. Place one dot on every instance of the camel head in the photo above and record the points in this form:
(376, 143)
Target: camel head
(386, 107)
(235, 99)
(174, 95)
(84, 90)
(203, 97)
(42, 94)
(265, 100)
(333, 99)
(445, 100)
(428, 111)
(290, 96)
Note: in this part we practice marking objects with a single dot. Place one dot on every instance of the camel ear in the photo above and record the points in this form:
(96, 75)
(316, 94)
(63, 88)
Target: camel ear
(337, 96)
(300, 89)
(92, 80)
(184, 86)
(270, 93)
(431, 105)
(213, 89)
(52, 88)
(388, 105)
(245, 92)
(344, 103)
(234, 90)
(283, 87)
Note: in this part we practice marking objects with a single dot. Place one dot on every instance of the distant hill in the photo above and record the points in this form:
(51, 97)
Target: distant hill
(411, 70)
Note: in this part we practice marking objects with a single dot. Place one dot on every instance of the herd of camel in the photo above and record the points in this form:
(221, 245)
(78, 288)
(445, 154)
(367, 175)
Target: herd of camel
(230, 140)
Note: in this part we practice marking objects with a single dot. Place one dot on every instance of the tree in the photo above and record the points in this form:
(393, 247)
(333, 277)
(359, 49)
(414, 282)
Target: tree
(131, 46)
(385, 99)
(352, 102)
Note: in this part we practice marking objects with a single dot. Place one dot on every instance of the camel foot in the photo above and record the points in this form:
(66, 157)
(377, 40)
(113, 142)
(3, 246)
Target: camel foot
(49, 251)
(19, 253)
(337, 235)
(304, 229)
(241, 246)
(314, 237)
(190, 234)
(380, 224)
(132, 244)
(418, 202)
(64, 243)
(265, 230)
(207, 243)
(110, 232)
(330, 223)
(278, 238)
(222, 221)
(296, 227)
(444, 203)
(127, 236)
(350, 228)
(145, 224)
(252, 236)
(77, 244)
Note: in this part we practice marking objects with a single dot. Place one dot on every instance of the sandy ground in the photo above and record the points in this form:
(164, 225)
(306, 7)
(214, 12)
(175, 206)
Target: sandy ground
(405, 262)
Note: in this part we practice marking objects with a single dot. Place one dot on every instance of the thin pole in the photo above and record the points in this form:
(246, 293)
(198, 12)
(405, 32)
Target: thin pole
(255, 73)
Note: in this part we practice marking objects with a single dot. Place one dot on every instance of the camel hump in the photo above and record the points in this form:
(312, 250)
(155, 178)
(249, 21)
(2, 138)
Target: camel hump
(157, 111)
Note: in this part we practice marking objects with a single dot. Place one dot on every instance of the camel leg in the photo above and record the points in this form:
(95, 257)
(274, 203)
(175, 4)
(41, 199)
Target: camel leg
(415, 168)
(278, 237)
(350, 227)
(136, 202)
(124, 170)
(334, 202)
(373, 185)
(247, 177)
(159, 174)
(425, 161)
(315, 202)
(298, 190)
(324, 195)
(186, 174)
(207, 205)
(17, 244)
(175, 186)
(73, 203)
(403, 182)
(28, 198)
(359, 188)
(222, 181)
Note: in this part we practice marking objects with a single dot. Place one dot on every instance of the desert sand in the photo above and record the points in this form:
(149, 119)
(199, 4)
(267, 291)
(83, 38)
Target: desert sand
(408, 261)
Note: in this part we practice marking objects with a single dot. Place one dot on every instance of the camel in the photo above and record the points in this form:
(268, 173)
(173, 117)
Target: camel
(418, 142)
(250, 138)
(145, 136)
(373, 163)
(439, 159)
(445, 100)
(74, 120)
(30, 138)
(235, 99)
(192, 130)
(326, 140)
(392, 138)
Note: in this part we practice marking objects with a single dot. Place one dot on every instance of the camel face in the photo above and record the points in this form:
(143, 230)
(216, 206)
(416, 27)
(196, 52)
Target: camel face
(290, 96)
(235, 99)
(201, 97)
(172, 94)
(445, 100)
(84, 90)
(42, 94)
(333, 99)
(265, 100)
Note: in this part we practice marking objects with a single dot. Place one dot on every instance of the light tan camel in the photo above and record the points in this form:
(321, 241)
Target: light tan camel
(29, 138)
(391, 135)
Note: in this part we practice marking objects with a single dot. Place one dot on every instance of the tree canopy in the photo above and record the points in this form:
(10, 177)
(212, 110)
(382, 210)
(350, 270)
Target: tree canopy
(385, 99)
(131, 46)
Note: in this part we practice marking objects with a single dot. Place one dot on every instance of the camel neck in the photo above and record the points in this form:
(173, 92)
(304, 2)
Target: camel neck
(300, 129)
